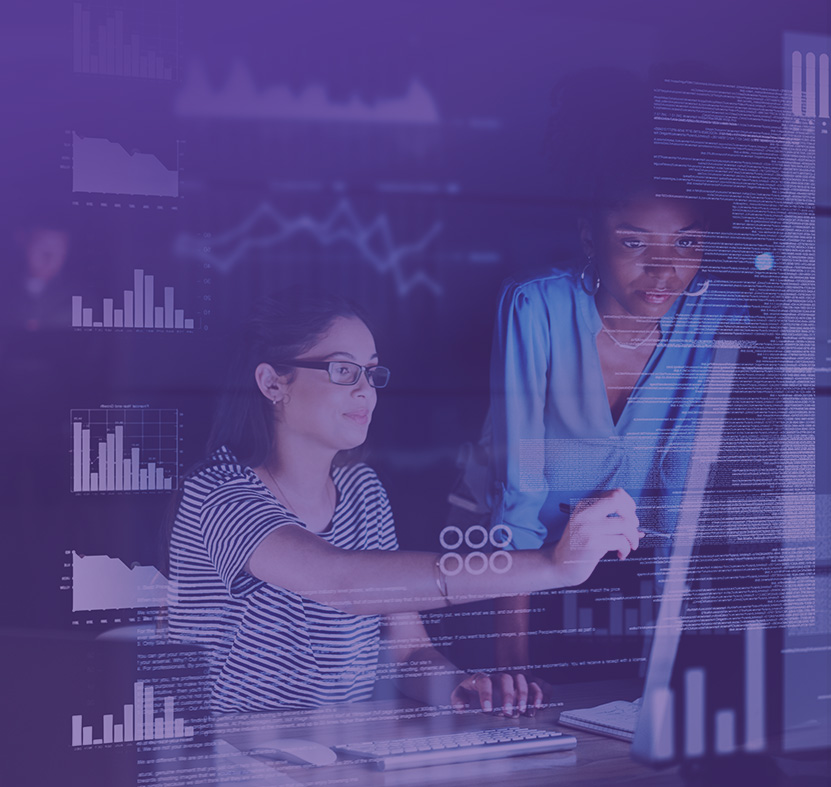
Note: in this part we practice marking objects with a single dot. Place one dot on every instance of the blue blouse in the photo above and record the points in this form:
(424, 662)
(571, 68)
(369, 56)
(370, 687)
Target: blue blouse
(554, 439)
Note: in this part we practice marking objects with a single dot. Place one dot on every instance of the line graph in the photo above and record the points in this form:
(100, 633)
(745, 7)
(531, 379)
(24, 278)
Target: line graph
(239, 97)
(267, 227)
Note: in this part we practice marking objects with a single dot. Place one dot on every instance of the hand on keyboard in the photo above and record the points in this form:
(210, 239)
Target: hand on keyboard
(510, 694)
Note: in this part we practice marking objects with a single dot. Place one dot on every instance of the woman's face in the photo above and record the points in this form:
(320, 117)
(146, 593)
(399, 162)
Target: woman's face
(646, 254)
(332, 416)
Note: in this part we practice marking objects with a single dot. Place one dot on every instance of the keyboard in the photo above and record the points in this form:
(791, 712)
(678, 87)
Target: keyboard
(614, 719)
(470, 746)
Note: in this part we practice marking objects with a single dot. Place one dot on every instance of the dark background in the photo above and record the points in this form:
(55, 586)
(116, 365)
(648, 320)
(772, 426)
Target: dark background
(477, 180)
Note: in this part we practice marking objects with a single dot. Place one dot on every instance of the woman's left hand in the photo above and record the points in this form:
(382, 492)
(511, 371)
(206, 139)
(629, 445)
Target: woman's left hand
(511, 694)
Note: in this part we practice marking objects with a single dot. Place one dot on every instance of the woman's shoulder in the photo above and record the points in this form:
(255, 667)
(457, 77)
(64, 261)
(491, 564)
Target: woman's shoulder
(356, 476)
(552, 287)
(220, 470)
(542, 299)
(364, 507)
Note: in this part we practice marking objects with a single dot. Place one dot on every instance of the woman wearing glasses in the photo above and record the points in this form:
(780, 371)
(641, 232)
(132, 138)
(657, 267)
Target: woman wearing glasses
(283, 555)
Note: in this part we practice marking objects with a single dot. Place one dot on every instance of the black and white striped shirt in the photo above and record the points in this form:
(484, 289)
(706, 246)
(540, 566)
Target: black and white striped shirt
(270, 647)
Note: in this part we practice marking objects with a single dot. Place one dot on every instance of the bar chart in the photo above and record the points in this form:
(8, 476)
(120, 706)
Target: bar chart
(627, 615)
(810, 88)
(138, 309)
(123, 39)
(700, 734)
(139, 722)
(124, 449)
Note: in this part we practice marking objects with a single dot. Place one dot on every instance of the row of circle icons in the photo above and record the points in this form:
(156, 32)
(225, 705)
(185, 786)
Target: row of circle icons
(476, 536)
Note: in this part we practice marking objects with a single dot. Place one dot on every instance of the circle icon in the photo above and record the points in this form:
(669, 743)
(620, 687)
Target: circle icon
(445, 559)
(505, 558)
(469, 536)
(474, 557)
(501, 541)
(454, 530)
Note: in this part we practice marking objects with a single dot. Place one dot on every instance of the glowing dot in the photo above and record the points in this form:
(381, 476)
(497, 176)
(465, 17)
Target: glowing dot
(764, 261)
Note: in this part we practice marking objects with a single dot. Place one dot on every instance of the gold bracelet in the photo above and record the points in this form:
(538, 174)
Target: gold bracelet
(441, 580)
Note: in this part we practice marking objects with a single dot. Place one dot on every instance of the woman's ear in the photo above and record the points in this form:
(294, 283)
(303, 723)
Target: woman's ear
(273, 386)
(587, 237)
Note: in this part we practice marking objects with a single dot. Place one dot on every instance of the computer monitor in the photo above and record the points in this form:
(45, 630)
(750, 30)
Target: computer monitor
(740, 661)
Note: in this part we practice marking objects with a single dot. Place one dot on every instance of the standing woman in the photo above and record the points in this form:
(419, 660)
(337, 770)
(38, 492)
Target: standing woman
(598, 367)
(283, 555)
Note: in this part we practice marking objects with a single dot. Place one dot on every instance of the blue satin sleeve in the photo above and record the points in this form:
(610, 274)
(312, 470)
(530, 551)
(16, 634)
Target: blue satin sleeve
(519, 375)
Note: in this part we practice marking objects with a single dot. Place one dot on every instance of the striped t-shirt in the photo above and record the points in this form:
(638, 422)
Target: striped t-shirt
(269, 647)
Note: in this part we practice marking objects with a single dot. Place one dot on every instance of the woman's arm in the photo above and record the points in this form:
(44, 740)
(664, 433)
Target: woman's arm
(377, 582)
(428, 676)
(433, 679)
(519, 390)
(519, 381)
(513, 622)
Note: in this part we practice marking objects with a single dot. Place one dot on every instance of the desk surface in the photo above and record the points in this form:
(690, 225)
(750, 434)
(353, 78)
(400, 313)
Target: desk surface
(596, 760)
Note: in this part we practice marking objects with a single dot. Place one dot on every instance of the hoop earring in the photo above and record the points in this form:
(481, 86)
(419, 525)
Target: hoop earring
(596, 283)
(285, 400)
(700, 291)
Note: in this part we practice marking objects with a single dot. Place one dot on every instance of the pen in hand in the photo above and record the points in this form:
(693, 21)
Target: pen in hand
(566, 509)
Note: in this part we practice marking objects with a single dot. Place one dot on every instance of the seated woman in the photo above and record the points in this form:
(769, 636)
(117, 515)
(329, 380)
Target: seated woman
(283, 554)
(598, 367)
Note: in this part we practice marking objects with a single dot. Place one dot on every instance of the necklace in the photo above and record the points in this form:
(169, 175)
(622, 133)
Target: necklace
(286, 497)
(633, 345)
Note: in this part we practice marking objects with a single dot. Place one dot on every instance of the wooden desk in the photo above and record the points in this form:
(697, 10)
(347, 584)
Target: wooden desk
(595, 761)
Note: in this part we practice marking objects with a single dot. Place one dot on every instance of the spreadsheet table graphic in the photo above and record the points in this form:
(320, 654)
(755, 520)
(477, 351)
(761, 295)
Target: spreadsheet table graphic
(125, 449)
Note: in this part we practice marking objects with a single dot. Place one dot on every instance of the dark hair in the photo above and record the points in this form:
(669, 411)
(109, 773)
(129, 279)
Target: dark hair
(600, 141)
(281, 327)
(599, 138)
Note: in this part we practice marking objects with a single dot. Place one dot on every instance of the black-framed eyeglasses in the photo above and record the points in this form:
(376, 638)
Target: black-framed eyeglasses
(346, 372)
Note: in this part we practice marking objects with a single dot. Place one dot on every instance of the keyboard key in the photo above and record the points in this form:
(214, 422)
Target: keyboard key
(458, 747)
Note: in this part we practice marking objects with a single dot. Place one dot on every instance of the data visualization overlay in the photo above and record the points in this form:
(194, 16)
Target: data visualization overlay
(102, 582)
(125, 449)
(139, 722)
(684, 721)
(240, 98)
(138, 309)
(105, 166)
(372, 241)
(126, 39)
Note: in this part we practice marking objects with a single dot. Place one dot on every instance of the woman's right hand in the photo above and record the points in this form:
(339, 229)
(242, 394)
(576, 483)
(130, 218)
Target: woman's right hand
(509, 694)
(601, 524)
